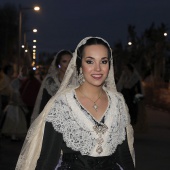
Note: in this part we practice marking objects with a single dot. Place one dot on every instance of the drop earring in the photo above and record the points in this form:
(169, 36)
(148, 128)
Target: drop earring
(81, 77)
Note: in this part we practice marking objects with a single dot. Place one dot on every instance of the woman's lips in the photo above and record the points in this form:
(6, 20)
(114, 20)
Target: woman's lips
(97, 76)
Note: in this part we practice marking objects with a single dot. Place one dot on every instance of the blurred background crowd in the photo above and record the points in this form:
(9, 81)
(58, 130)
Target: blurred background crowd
(142, 71)
(141, 67)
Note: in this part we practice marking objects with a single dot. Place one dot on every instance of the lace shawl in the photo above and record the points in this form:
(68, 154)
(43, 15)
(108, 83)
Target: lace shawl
(128, 81)
(32, 145)
(50, 83)
(68, 118)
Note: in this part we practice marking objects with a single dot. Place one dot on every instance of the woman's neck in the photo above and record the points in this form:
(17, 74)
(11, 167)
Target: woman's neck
(61, 76)
(90, 90)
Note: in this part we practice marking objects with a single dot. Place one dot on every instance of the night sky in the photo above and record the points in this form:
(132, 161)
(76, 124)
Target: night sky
(62, 24)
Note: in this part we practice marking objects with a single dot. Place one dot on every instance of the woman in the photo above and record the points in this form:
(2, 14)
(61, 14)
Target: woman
(88, 122)
(7, 76)
(5, 90)
(29, 91)
(15, 122)
(52, 81)
(130, 86)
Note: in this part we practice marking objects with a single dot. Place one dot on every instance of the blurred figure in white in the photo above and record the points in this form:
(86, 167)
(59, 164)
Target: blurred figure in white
(15, 122)
(52, 81)
(130, 86)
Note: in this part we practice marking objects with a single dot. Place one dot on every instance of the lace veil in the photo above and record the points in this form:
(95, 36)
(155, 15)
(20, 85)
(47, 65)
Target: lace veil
(32, 146)
(129, 82)
(52, 73)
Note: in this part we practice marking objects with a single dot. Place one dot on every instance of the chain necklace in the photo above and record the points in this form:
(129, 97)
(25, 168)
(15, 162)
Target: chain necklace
(94, 105)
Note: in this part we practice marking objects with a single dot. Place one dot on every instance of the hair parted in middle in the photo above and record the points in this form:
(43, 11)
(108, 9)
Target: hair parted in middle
(59, 56)
(91, 41)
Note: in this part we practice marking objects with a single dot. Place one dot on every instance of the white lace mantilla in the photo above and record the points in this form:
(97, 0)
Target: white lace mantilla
(68, 118)
(52, 85)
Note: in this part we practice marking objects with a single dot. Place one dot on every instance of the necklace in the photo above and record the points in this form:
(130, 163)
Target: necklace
(94, 105)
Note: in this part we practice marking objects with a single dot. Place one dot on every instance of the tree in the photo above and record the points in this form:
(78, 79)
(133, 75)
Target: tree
(8, 32)
(155, 43)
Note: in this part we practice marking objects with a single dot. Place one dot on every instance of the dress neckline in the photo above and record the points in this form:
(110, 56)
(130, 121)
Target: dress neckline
(87, 112)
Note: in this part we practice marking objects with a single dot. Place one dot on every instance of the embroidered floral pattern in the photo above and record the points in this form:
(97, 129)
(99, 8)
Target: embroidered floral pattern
(52, 86)
(80, 134)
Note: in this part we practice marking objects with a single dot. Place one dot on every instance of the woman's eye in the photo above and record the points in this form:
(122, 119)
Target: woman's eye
(89, 62)
(104, 61)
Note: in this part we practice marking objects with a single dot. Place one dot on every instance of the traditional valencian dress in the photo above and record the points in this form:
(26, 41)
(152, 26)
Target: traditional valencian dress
(131, 87)
(65, 128)
(49, 87)
(85, 142)
(15, 121)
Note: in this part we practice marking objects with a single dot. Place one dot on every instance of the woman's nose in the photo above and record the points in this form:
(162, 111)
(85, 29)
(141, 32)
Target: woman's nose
(97, 67)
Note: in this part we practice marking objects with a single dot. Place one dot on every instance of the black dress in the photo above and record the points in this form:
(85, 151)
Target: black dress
(70, 128)
(129, 95)
(73, 160)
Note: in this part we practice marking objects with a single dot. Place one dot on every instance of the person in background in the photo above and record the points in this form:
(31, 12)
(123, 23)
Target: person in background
(87, 119)
(29, 91)
(5, 90)
(52, 81)
(1, 88)
(15, 122)
(8, 71)
(130, 86)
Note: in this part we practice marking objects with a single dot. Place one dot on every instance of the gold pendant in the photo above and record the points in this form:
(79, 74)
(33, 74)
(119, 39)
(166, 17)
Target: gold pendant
(95, 107)
(99, 150)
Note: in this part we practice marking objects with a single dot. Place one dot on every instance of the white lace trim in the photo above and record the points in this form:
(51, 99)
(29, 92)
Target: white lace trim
(69, 119)
(32, 147)
(52, 85)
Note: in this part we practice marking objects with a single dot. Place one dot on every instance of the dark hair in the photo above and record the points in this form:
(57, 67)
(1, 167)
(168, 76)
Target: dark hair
(31, 72)
(130, 67)
(7, 68)
(91, 41)
(59, 56)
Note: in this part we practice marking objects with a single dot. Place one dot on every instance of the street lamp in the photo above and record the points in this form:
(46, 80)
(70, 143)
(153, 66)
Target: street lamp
(36, 8)
(165, 34)
(34, 30)
(129, 43)
(25, 39)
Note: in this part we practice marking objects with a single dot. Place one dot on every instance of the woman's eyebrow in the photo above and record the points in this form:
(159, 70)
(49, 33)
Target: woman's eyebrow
(105, 58)
(94, 58)
(89, 57)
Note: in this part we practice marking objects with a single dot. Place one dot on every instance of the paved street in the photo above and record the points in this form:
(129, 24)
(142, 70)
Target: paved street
(9, 152)
(152, 147)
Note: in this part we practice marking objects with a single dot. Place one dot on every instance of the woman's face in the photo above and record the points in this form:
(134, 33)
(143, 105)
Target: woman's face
(95, 64)
(65, 60)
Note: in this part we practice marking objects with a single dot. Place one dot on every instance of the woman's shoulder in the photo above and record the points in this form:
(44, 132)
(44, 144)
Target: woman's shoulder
(61, 95)
(115, 94)
(58, 104)
(117, 97)
(48, 79)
